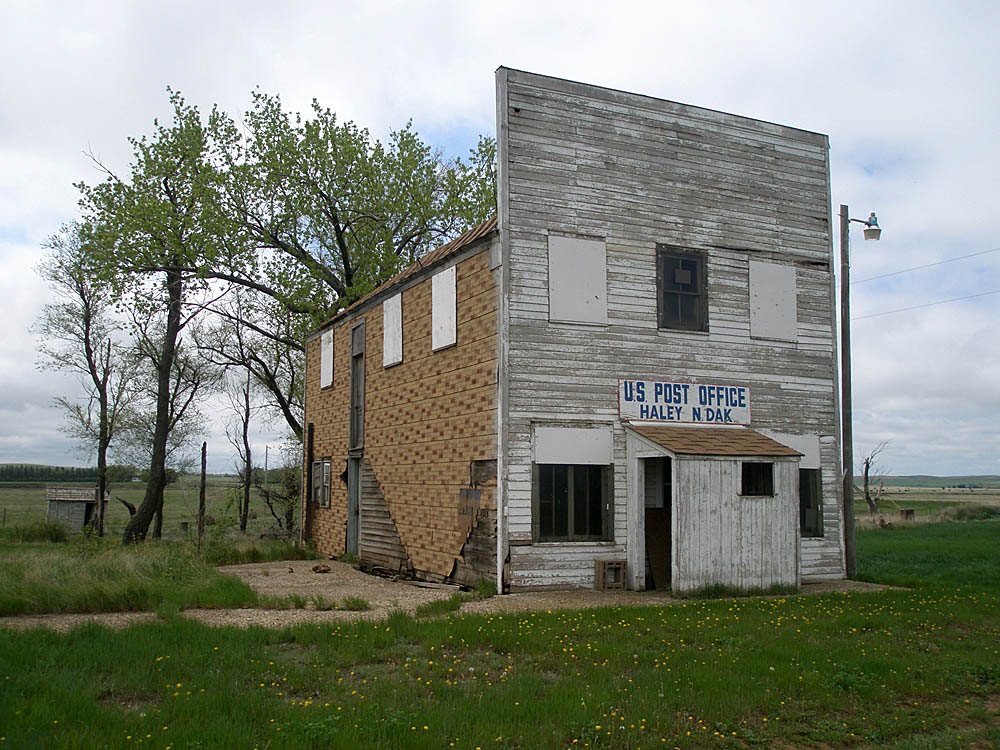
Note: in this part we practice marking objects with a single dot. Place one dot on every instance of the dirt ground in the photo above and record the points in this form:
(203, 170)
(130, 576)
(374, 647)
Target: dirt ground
(384, 597)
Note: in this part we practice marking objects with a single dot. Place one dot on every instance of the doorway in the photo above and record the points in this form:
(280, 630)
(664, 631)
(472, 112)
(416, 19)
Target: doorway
(356, 437)
(658, 494)
(353, 503)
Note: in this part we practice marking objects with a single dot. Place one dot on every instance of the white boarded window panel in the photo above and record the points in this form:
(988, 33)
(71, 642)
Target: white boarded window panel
(392, 331)
(578, 280)
(326, 359)
(773, 308)
(443, 316)
(573, 445)
(807, 445)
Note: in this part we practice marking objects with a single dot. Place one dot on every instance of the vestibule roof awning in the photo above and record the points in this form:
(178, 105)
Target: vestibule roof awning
(712, 441)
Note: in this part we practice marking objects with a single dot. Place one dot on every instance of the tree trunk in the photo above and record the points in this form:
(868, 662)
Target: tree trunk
(152, 501)
(248, 463)
(872, 503)
(201, 495)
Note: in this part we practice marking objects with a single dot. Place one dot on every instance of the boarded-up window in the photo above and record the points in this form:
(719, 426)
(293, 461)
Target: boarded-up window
(392, 331)
(773, 309)
(444, 311)
(326, 359)
(578, 280)
(573, 445)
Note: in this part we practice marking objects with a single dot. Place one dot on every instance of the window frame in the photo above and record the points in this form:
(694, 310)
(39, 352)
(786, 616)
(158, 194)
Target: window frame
(756, 486)
(322, 469)
(607, 503)
(664, 252)
(815, 481)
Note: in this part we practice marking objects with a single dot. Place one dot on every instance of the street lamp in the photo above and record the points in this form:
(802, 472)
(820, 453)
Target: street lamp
(872, 232)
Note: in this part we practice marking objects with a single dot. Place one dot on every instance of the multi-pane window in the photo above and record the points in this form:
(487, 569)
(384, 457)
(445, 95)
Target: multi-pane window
(681, 289)
(572, 502)
(757, 479)
(321, 483)
(810, 502)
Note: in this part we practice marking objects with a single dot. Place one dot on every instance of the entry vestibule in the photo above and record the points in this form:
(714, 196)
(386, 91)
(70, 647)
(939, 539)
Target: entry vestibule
(720, 503)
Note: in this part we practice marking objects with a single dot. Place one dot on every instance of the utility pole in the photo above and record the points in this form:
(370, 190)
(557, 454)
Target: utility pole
(872, 232)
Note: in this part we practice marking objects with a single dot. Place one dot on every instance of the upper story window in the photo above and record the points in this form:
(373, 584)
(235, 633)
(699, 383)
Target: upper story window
(682, 302)
(444, 315)
(578, 280)
(326, 359)
(392, 331)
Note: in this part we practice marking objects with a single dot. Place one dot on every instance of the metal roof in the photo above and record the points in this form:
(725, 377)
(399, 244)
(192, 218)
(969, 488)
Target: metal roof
(434, 257)
(712, 441)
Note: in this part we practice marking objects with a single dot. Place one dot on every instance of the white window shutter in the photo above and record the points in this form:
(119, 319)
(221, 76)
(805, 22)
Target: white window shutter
(392, 331)
(444, 311)
(326, 359)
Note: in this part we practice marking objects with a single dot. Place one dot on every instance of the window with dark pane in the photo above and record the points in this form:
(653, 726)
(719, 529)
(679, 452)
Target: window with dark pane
(810, 502)
(757, 479)
(321, 483)
(571, 501)
(681, 287)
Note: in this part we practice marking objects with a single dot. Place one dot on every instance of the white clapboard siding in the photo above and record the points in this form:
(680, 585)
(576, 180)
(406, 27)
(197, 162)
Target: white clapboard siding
(724, 538)
(637, 171)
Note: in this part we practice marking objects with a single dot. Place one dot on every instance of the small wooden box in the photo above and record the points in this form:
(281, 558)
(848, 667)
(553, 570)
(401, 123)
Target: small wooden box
(609, 575)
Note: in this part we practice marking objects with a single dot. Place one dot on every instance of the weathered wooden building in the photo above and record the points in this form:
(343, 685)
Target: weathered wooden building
(73, 507)
(627, 378)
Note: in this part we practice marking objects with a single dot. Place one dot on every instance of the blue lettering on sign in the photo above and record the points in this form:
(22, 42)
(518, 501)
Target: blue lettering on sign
(652, 400)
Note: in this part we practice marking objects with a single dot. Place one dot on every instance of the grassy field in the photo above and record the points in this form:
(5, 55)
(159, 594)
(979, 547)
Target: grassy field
(22, 503)
(914, 669)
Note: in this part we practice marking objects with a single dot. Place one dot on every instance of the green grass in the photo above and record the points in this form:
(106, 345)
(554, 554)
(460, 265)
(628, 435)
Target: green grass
(914, 668)
(959, 554)
(95, 576)
(87, 574)
(23, 503)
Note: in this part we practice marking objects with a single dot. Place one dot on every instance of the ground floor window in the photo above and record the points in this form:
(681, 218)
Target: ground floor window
(321, 483)
(757, 479)
(810, 502)
(572, 502)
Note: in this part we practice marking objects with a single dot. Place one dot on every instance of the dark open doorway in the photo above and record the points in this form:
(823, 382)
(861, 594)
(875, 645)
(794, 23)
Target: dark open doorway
(658, 492)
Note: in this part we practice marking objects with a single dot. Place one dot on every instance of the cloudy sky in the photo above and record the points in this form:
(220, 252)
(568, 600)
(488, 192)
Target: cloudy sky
(909, 93)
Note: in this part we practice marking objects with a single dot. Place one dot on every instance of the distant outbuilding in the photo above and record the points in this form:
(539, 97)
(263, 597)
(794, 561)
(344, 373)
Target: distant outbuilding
(73, 507)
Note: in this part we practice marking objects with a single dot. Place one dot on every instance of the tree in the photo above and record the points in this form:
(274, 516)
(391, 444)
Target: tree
(155, 236)
(191, 378)
(332, 213)
(240, 392)
(305, 215)
(281, 488)
(273, 356)
(77, 336)
(873, 474)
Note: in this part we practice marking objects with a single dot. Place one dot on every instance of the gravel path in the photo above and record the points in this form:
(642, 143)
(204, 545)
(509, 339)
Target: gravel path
(384, 597)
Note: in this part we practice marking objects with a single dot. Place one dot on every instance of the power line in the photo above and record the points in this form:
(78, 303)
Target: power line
(928, 304)
(928, 265)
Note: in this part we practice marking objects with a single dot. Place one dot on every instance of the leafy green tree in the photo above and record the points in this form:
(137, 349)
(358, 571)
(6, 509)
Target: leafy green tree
(76, 335)
(155, 236)
(332, 213)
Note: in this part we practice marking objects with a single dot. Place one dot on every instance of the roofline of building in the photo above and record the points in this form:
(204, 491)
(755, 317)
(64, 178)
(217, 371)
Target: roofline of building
(469, 242)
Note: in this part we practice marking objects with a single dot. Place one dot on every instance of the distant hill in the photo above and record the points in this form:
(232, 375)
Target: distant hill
(985, 481)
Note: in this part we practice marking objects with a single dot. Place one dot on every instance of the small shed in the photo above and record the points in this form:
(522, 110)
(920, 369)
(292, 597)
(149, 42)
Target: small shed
(73, 507)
